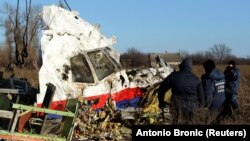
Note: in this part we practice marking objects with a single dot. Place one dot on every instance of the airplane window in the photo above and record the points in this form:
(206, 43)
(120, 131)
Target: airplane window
(101, 64)
(80, 70)
(117, 63)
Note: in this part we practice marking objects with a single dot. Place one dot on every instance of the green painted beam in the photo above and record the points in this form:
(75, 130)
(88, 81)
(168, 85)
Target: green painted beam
(31, 137)
(43, 110)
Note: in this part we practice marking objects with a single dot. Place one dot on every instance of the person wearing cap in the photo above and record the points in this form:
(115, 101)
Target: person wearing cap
(232, 76)
(213, 82)
(187, 94)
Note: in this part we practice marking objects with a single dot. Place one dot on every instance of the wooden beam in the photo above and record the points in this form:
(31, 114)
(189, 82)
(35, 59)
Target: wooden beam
(13, 127)
(6, 114)
(9, 91)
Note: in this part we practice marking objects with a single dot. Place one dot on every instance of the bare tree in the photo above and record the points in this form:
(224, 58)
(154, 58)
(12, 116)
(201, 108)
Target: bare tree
(198, 57)
(21, 30)
(220, 52)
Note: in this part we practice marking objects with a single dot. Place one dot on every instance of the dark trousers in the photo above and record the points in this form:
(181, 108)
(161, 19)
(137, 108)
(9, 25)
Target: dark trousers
(231, 103)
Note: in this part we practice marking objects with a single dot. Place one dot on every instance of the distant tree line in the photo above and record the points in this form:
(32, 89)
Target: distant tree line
(221, 53)
(134, 58)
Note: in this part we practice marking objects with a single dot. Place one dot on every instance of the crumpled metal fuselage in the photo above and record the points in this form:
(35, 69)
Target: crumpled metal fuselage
(81, 62)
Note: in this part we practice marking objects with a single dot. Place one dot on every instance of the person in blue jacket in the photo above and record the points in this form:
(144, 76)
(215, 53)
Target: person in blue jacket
(187, 94)
(232, 76)
(213, 82)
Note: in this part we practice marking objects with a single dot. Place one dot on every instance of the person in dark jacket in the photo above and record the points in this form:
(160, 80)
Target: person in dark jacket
(232, 76)
(187, 93)
(213, 82)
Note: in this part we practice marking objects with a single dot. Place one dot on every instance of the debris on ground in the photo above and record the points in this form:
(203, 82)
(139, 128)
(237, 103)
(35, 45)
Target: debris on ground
(116, 124)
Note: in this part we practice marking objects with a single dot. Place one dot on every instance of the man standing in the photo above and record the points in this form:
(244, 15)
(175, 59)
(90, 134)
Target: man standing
(213, 82)
(187, 93)
(232, 76)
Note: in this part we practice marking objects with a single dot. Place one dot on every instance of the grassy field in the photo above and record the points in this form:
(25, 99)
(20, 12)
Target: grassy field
(241, 117)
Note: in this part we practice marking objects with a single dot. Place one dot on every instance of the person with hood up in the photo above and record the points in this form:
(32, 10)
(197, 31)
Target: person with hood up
(232, 76)
(213, 82)
(187, 93)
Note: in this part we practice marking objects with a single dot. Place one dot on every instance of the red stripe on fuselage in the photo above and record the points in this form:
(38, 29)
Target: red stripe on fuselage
(125, 94)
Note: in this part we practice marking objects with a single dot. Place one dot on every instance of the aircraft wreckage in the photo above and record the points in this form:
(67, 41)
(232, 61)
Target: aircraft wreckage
(82, 83)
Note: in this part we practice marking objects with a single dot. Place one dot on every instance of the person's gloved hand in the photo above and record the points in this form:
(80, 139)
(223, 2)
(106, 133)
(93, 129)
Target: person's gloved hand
(162, 104)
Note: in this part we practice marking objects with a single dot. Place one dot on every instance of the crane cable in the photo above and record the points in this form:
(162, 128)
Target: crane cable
(67, 5)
